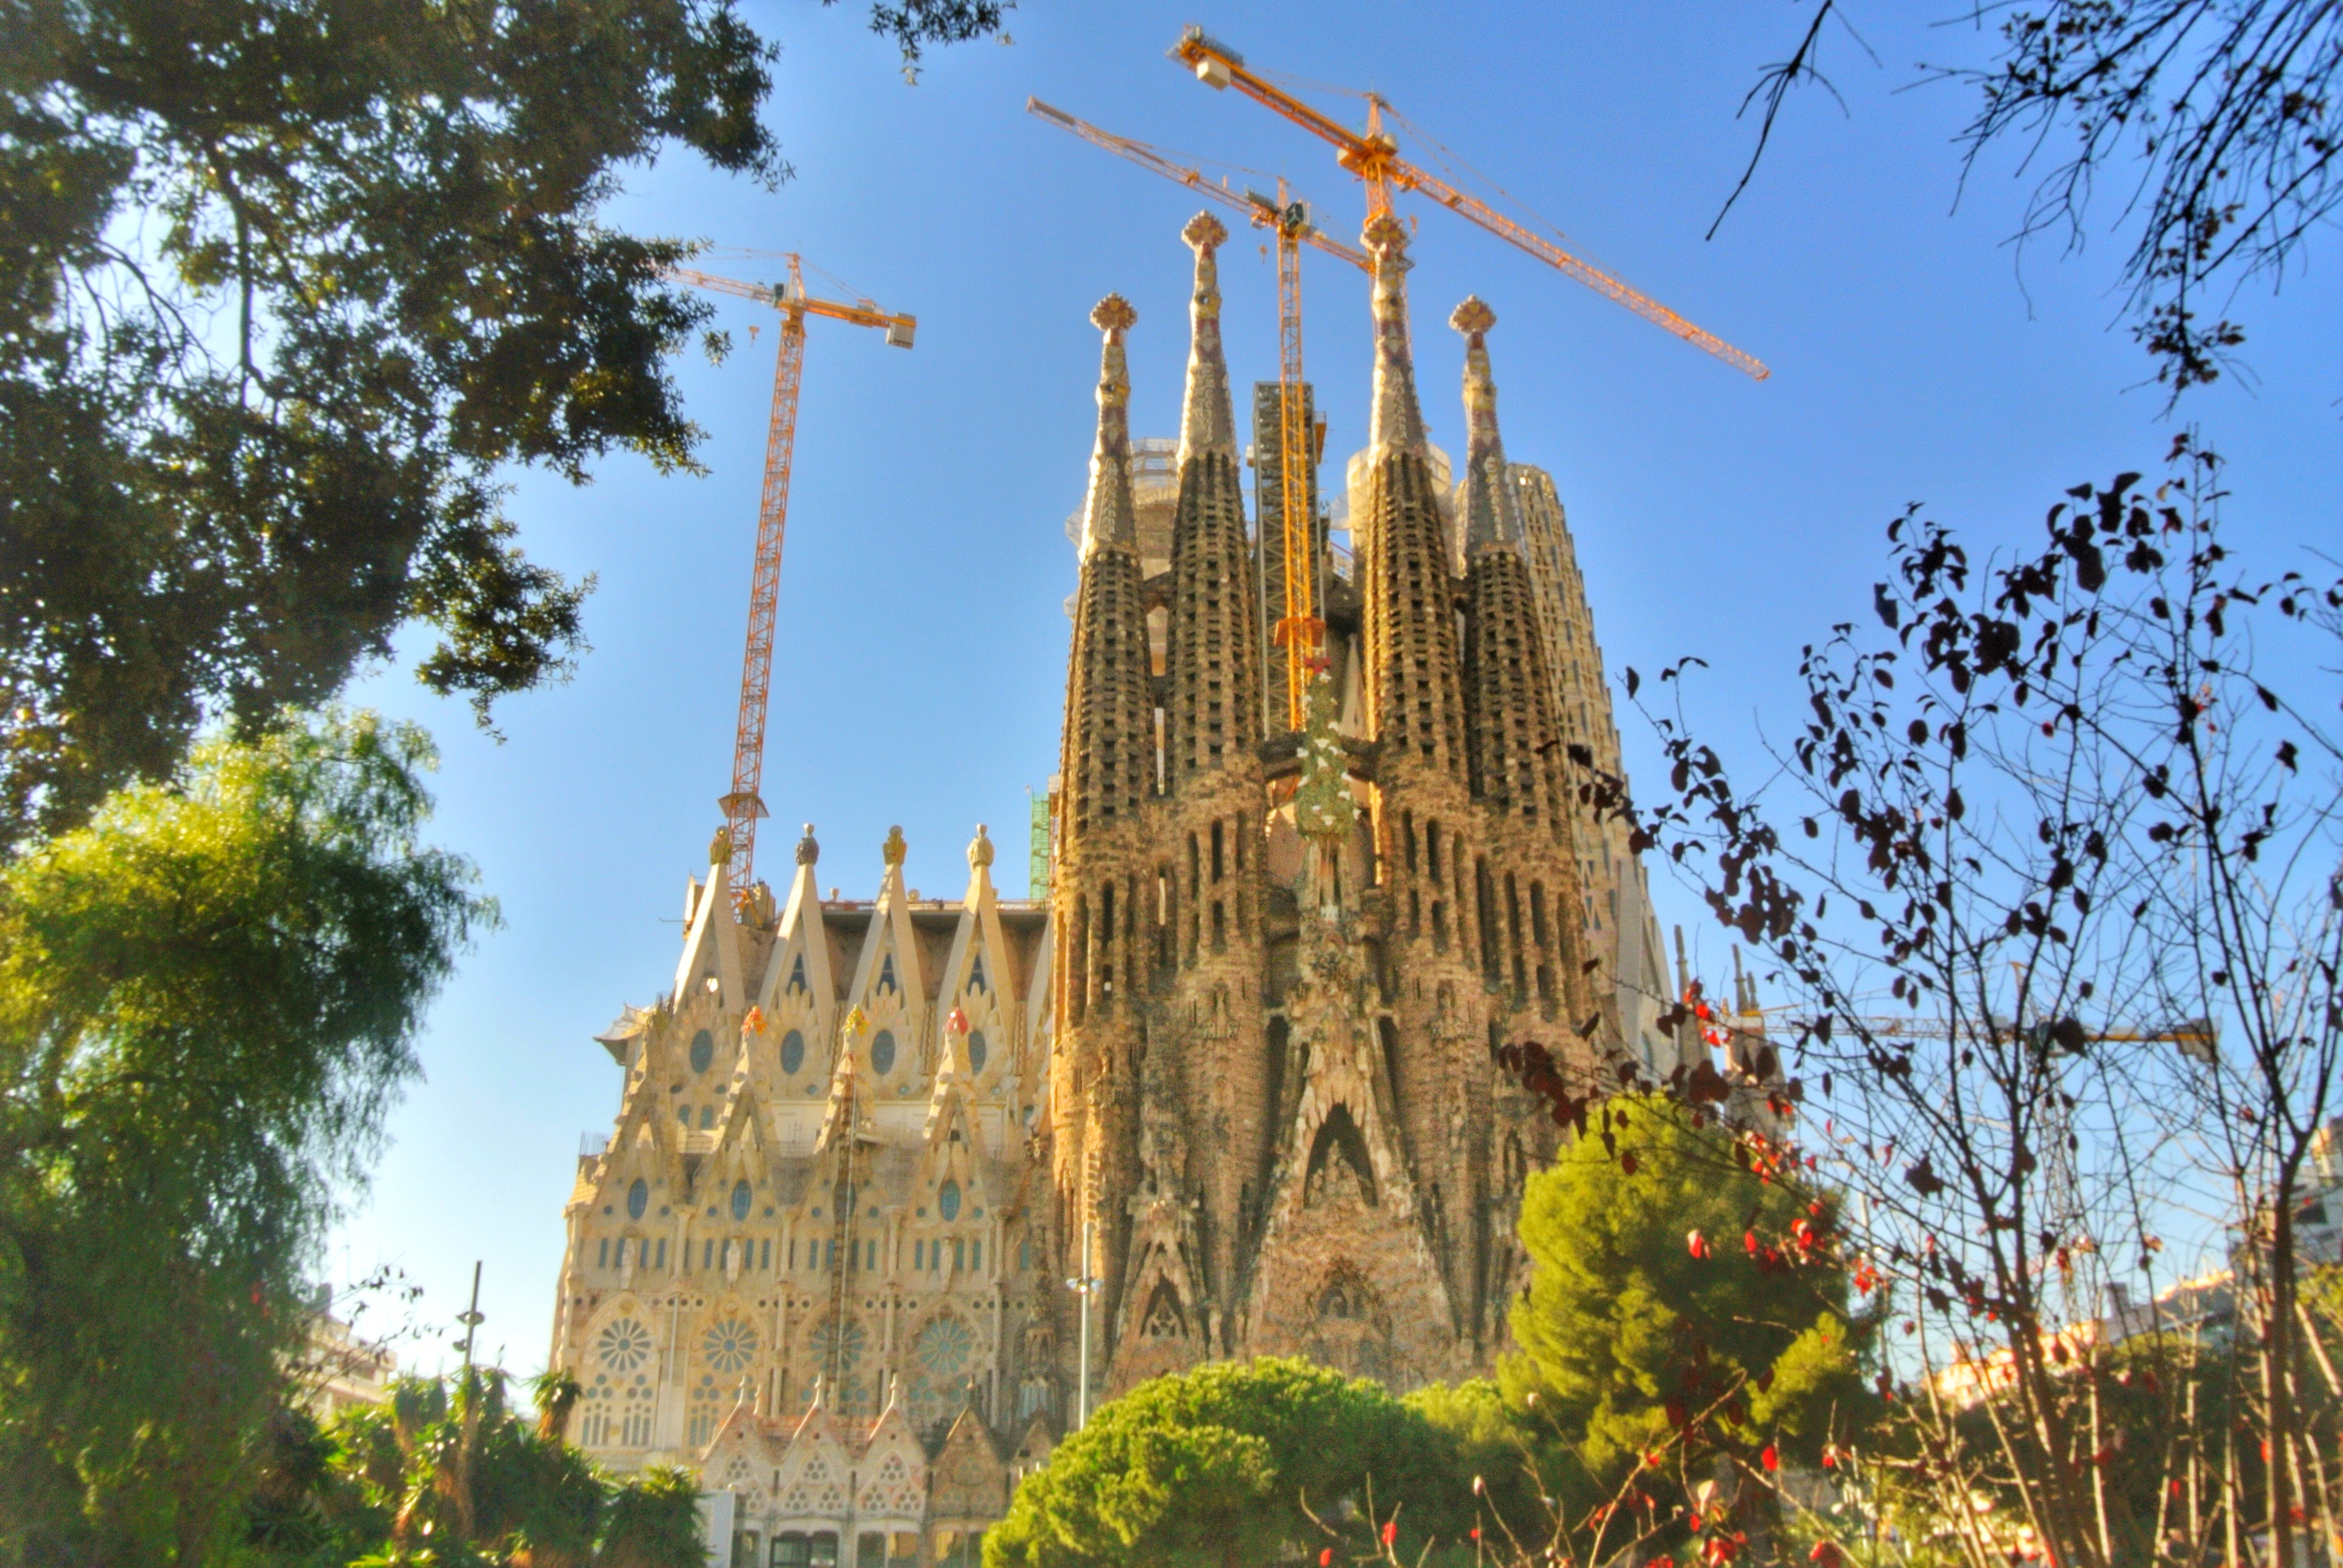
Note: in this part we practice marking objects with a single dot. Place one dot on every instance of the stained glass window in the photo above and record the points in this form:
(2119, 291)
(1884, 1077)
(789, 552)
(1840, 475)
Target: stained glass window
(941, 1354)
(729, 1346)
(797, 974)
(883, 1052)
(740, 1200)
(887, 973)
(624, 1345)
(976, 1050)
(948, 1201)
(639, 1197)
(703, 1050)
(976, 973)
(792, 1051)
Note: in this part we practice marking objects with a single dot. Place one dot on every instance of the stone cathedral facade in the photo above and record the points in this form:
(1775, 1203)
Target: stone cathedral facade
(1241, 1066)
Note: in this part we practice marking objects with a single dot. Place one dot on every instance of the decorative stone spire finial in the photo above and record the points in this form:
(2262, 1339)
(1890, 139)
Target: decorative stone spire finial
(1396, 424)
(979, 851)
(719, 847)
(1492, 509)
(893, 850)
(1109, 518)
(809, 852)
(1206, 421)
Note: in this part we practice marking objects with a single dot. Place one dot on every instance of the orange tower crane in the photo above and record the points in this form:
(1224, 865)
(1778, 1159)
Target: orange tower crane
(1300, 630)
(1372, 155)
(741, 804)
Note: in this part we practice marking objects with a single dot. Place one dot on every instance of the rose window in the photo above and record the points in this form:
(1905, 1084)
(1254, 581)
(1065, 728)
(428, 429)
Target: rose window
(624, 1345)
(729, 1346)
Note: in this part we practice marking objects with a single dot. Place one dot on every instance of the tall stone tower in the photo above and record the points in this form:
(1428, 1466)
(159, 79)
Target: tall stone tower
(1241, 1066)
(1290, 1132)
(1617, 915)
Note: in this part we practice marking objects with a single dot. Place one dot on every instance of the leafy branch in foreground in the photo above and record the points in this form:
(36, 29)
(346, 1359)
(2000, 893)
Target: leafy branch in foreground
(209, 998)
(2226, 112)
(284, 285)
(2052, 875)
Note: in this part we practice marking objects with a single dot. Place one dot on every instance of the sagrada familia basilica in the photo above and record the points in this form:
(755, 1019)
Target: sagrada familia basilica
(1236, 1072)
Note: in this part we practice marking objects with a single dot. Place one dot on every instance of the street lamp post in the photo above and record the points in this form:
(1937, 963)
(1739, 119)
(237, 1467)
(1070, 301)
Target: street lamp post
(472, 1318)
(1084, 1285)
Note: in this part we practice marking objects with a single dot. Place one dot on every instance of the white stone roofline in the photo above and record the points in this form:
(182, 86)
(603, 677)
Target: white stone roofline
(796, 937)
(713, 934)
(890, 930)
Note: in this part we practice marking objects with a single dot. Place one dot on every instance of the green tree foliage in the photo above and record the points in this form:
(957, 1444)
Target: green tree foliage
(208, 996)
(1226, 1464)
(283, 283)
(1686, 1303)
(453, 1476)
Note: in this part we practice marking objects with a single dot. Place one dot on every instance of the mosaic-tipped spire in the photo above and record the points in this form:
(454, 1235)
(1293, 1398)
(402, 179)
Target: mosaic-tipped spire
(1207, 424)
(1397, 422)
(1108, 516)
(1492, 509)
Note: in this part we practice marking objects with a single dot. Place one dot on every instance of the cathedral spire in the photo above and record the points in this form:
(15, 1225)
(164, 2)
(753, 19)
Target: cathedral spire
(1206, 421)
(1397, 422)
(1109, 518)
(1492, 509)
(1212, 653)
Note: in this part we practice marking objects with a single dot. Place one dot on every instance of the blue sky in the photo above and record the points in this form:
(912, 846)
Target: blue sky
(917, 672)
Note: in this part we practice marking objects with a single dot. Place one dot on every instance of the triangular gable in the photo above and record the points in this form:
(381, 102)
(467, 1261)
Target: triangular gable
(893, 1473)
(979, 943)
(644, 1139)
(712, 947)
(802, 946)
(1033, 1449)
(815, 1466)
(738, 1432)
(948, 1102)
(890, 939)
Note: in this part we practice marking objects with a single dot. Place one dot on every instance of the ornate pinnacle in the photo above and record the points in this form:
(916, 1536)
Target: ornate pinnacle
(893, 850)
(808, 850)
(1108, 516)
(1492, 509)
(979, 850)
(719, 847)
(1113, 315)
(1396, 423)
(1206, 421)
(1473, 318)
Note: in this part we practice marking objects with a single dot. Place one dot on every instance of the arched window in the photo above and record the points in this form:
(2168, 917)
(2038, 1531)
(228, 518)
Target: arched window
(976, 1050)
(883, 1052)
(703, 1050)
(740, 1199)
(639, 1197)
(792, 1051)
(948, 1201)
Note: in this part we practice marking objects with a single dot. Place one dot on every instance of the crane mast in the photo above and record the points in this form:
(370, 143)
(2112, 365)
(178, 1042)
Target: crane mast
(743, 804)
